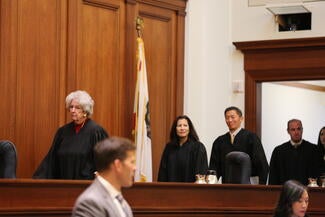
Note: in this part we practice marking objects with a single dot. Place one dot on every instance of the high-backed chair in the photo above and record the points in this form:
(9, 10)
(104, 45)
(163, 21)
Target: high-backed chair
(8, 159)
(238, 168)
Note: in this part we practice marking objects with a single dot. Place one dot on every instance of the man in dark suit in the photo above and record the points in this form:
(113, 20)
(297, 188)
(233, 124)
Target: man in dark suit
(238, 139)
(115, 164)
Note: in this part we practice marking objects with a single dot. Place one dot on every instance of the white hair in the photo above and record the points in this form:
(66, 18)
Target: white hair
(84, 100)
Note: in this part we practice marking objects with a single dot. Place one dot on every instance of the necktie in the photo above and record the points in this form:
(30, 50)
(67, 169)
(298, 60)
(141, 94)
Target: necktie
(232, 138)
(125, 206)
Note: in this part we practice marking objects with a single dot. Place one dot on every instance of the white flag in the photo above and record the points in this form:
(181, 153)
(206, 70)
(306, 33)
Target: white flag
(142, 132)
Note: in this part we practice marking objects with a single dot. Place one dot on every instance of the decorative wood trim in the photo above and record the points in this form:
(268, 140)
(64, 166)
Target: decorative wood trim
(102, 4)
(28, 197)
(302, 85)
(154, 16)
(280, 44)
(133, 2)
(278, 60)
(175, 5)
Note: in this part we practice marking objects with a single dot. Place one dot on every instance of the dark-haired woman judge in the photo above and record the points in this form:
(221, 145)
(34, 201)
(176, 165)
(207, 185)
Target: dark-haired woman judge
(184, 155)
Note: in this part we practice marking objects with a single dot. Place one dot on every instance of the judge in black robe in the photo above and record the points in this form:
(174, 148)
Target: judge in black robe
(71, 154)
(244, 141)
(296, 159)
(184, 156)
(294, 162)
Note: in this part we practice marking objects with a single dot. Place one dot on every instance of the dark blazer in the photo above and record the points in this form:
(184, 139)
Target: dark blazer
(95, 201)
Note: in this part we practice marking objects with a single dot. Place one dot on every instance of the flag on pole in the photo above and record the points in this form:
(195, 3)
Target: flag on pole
(142, 132)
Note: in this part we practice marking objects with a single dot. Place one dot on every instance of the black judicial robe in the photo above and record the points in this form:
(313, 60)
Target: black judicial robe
(71, 154)
(321, 150)
(245, 141)
(300, 163)
(182, 163)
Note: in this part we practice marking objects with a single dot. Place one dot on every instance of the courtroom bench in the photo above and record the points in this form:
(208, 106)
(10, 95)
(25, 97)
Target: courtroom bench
(27, 197)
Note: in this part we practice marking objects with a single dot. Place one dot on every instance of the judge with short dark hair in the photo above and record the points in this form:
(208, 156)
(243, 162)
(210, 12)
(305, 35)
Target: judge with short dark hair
(238, 139)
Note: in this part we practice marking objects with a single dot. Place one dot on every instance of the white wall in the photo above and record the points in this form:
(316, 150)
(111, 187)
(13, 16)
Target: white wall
(212, 62)
(207, 67)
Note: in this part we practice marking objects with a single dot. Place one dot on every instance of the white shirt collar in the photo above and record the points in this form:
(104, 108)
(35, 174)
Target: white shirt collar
(295, 144)
(235, 132)
(108, 186)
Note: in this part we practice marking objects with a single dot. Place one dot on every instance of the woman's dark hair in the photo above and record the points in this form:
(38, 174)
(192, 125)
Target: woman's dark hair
(291, 192)
(319, 142)
(192, 133)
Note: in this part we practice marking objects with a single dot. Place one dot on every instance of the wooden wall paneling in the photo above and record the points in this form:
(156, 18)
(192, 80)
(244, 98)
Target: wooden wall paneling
(50, 92)
(180, 61)
(62, 36)
(8, 53)
(29, 57)
(50, 48)
(130, 65)
(97, 58)
(278, 60)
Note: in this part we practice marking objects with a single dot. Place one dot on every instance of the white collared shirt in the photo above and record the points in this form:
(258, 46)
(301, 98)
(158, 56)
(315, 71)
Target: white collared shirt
(113, 193)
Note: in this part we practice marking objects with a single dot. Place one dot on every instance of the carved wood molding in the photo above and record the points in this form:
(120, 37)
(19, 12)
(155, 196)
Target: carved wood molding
(176, 5)
(278, 60)
(245, 46)
(102, 4)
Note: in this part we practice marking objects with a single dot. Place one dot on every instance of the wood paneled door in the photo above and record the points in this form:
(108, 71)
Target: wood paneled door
(49, 48)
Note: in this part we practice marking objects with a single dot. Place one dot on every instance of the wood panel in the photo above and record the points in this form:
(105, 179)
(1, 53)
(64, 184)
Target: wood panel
(33, 77)
(8, 52)
(278, 60)
(97, 58)
(50, 48)
(56, 198)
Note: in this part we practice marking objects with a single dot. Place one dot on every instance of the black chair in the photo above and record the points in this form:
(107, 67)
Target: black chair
(238, 168)
(8, 159)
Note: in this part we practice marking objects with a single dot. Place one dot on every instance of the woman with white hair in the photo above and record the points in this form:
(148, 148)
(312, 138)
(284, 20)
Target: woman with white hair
(71, 155)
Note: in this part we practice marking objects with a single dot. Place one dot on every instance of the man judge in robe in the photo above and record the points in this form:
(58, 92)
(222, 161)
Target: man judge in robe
(238, 139)
(295, 159)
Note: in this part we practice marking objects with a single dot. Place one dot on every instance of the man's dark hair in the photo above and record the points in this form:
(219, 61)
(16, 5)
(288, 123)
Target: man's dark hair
(110, 149)
(293, 120)
(238, 111)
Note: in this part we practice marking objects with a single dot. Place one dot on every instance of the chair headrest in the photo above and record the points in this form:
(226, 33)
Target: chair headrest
(238, 168)
(238, 157)
(8, 159)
